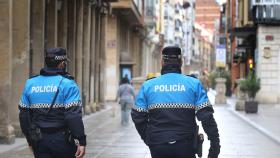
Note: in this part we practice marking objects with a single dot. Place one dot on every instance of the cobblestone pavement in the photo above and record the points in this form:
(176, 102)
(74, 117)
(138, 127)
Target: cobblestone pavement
(108, 139)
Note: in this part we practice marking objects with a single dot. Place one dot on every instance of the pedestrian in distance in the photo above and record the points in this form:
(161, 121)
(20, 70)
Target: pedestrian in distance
(166, 109)
(51, 111)
(126, 96)
(205, 81)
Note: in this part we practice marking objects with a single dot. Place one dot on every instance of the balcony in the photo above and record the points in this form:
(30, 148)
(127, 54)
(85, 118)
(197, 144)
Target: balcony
(111, 0)
(150, 15)
(129, 10)
(266, 14)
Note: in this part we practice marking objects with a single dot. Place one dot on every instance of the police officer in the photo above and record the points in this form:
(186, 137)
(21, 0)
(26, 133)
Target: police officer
(51, 111)
(165, 111)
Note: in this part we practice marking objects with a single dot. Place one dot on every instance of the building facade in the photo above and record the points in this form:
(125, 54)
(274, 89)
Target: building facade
(124, 41)
(203, 49)
(253, 37)
(266, 18)
(207, 12)
(153, 41)
(29, 27)
(189, 35)
(202, 16)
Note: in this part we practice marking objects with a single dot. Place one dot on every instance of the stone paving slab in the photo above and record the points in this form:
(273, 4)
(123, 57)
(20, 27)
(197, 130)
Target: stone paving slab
(239, 140)
(266, 120)
(108, 139)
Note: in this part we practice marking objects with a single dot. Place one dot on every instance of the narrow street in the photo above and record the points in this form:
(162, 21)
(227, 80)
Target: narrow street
(231, 46)
(108, 139)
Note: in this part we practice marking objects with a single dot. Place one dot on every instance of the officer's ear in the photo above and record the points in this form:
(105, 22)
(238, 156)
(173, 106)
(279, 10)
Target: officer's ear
(62, 65)
(162, 62)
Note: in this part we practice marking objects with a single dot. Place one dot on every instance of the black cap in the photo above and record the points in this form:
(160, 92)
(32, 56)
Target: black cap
(58, 54)
(171, 52)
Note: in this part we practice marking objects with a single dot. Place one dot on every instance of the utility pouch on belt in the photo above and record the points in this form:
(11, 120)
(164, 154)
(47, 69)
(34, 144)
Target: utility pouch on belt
(35, 134)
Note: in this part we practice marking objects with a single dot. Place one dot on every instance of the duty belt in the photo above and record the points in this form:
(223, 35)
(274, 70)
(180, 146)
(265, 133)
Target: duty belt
(52, 130)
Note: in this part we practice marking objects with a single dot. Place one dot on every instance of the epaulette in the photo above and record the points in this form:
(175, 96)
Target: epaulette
(33, 76)
(192, 76)
(68, 76)
(150, 78)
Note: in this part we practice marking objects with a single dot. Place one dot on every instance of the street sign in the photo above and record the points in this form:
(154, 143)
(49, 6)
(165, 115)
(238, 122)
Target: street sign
(221, 56)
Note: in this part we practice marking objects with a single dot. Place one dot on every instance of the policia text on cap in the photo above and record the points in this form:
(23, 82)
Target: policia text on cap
(51, 111)
(165, 111)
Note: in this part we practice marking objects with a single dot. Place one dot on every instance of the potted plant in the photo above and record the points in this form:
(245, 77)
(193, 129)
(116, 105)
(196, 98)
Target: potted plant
(250, 86)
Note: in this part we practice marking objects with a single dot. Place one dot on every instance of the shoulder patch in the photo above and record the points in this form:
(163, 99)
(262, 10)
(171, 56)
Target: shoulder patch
(68, 76)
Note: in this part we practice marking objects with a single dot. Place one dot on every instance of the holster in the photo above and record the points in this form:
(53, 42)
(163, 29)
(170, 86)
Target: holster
(200, 139)
(198, 142)
(69, 137)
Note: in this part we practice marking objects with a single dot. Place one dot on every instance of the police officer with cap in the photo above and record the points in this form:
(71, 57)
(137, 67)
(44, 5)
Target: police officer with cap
(51, 111)
(166, 108)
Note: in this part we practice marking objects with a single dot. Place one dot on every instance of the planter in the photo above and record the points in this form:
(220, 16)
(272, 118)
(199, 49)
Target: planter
(221, 91)
(239, 105)
(251, 106)
(240, 100)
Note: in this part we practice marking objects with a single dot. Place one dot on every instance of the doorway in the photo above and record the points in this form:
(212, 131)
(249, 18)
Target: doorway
(126, 70)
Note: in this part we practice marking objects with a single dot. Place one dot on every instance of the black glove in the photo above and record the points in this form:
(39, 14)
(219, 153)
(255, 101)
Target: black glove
(214, 150)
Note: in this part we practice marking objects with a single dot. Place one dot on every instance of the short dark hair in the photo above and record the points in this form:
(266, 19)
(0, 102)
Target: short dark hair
(51, 62)
(124, 80)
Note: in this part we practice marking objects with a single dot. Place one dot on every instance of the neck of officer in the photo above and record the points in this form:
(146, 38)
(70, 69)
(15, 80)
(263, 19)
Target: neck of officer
(52, 71)
(171, 68)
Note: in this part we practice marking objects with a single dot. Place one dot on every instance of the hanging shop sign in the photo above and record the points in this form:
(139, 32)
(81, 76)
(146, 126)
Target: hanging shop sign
(221, 56)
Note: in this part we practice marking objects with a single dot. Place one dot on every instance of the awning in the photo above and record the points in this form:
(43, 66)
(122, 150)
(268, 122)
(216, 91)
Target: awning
(243, 32)
(243, 46)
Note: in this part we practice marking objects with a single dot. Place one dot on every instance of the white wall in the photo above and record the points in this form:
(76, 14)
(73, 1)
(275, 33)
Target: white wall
(268, 69)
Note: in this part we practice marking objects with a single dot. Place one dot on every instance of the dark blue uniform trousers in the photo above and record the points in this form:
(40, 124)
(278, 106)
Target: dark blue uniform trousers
(54, 146)
(180, 149)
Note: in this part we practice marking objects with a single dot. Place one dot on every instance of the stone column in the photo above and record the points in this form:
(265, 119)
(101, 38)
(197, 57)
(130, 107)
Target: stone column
(136, 54)
(112, 59)
(221, 91)
(241, 96)
(51, 24)
(92, 59)
(37, 36)
(20, 57)
(79, 45)
(62, 28)
(97, 60)
(71, 35)
(102, 74)
(86, 56)
(6, 129)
